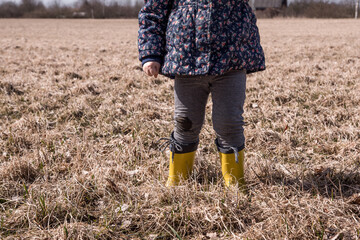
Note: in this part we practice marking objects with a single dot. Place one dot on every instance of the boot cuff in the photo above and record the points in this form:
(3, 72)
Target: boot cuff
(227, 150)
(177, 147)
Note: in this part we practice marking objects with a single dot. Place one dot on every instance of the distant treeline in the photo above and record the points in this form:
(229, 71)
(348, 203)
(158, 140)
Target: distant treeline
(81, 9)
(312, 9)
(100, 9)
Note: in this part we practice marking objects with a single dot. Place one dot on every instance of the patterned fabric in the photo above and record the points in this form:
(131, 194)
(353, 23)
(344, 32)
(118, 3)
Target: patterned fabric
(200, 37)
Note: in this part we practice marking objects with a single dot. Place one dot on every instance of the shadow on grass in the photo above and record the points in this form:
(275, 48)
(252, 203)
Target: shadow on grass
(206, 172)
(327, 182)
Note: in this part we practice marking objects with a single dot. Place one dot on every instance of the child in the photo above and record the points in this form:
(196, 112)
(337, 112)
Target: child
(207, 46)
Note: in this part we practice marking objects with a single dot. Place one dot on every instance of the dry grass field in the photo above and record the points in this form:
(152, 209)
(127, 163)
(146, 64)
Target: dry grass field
(79, 121)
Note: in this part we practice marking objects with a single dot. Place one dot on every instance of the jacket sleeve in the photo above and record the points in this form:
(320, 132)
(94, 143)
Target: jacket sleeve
(153, 18)
(152, 59)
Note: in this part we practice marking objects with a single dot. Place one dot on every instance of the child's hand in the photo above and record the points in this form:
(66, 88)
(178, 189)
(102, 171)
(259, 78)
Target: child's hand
(151, 68)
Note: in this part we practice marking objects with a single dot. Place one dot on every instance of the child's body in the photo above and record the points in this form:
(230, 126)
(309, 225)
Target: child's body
(207, 47)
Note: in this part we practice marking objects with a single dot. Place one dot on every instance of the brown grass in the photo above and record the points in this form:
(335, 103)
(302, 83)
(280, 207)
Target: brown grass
(79, 122)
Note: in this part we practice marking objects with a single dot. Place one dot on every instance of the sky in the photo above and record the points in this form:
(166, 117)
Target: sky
(70, 2)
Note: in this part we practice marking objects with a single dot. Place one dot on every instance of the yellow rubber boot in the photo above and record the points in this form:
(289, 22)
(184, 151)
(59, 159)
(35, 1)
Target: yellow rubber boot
(232, 171)
(181, 166)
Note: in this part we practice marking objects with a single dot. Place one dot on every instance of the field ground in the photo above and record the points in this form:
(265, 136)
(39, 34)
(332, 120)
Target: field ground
(79, 121)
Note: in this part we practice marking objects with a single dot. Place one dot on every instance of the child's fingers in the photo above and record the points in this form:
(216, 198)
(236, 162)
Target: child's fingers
(148, 71)
(151, 69)
(154, 71)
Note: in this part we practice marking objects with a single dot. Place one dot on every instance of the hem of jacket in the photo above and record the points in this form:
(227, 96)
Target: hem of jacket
(172, 75)
(254, 71)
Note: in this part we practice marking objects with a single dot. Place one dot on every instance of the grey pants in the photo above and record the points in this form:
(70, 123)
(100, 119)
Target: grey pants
(228, 96)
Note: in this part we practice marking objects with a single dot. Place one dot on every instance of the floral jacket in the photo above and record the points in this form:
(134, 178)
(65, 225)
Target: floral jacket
(199, 37)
